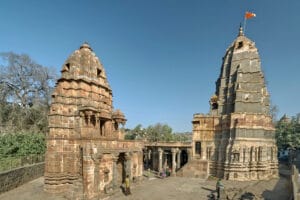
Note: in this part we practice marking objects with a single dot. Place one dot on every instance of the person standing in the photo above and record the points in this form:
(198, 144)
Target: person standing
(127, 186)
(218, 186)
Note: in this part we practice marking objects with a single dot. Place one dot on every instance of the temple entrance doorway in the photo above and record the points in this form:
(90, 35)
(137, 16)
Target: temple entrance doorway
(121, 169)
(198, 148)
(183, 158)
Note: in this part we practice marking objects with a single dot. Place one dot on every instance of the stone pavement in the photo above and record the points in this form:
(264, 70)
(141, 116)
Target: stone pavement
(170, 188)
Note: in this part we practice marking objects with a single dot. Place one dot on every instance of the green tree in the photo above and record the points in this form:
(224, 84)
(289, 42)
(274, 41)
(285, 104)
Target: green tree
(137, 132)
(288, 133)
(22, 144)
(159, 132)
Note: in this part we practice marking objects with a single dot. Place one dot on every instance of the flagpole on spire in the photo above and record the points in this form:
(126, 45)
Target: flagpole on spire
(248, 15)
(245, 21)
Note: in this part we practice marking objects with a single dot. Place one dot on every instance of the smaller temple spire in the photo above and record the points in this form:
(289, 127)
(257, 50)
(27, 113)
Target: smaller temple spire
(241, 32)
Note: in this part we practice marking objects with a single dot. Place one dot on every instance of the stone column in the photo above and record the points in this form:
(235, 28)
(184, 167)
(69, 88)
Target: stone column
(160, 153)
(203, 151)
(178, 158)
(140, 164)
(148, 158)
(241, 152)
(88, 173)
(173, 150)
(128, 164)
(115, 171)
(145, 159)
(189, 155)
(264, 156)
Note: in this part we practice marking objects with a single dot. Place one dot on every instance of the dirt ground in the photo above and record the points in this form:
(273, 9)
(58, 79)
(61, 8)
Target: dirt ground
(167, 189)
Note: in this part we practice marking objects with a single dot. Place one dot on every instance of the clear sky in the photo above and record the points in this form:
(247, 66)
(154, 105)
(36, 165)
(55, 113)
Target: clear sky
(162, 57)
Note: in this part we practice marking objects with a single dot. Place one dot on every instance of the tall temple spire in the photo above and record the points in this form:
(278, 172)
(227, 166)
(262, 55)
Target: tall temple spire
(237, 136)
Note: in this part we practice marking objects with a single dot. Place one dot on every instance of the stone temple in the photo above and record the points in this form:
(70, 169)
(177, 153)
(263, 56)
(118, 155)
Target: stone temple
(86, 154)
(236, 140)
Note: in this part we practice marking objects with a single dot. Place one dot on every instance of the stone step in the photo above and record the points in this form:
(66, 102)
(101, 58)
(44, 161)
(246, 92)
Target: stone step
(195, 168)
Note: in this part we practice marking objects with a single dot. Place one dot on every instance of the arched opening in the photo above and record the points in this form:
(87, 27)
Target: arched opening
(121, 169)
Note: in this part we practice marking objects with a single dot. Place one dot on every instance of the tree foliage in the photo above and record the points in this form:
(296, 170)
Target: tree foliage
(23, 81)
(159, 132)
(25, 89)
(288, 133)
(155, 133)
(22, 144)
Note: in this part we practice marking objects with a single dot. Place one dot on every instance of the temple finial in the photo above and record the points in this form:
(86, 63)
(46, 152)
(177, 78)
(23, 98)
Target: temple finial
(241, 32)
(85, 45)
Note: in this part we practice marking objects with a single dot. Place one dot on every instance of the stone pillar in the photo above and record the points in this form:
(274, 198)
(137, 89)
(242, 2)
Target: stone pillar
(178, 158)
(253, 154)
(241, 152)
(140, 164)
(173, 150)
(148, 157)
(264, 154)
(272, 153)
(203, 151)
(97, 159)
(115, 171)
(88, 173)
(145, 158)
(160, 153)
(189, 155)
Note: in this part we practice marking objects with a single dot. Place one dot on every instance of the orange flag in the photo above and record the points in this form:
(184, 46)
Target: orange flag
(249, 15)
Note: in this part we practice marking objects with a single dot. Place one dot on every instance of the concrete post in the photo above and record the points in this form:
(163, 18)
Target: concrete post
(160, 153)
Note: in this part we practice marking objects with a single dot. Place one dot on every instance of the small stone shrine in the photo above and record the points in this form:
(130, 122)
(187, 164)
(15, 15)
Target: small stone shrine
(86, 155)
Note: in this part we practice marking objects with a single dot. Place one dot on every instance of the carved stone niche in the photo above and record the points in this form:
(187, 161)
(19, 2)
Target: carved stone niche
(235, 156)
(106, 174)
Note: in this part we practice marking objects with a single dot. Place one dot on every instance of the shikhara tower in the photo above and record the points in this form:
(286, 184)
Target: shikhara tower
(86, 155)
(237, 138)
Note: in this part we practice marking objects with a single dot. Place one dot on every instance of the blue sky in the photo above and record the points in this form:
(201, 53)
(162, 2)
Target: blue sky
(162, 57)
